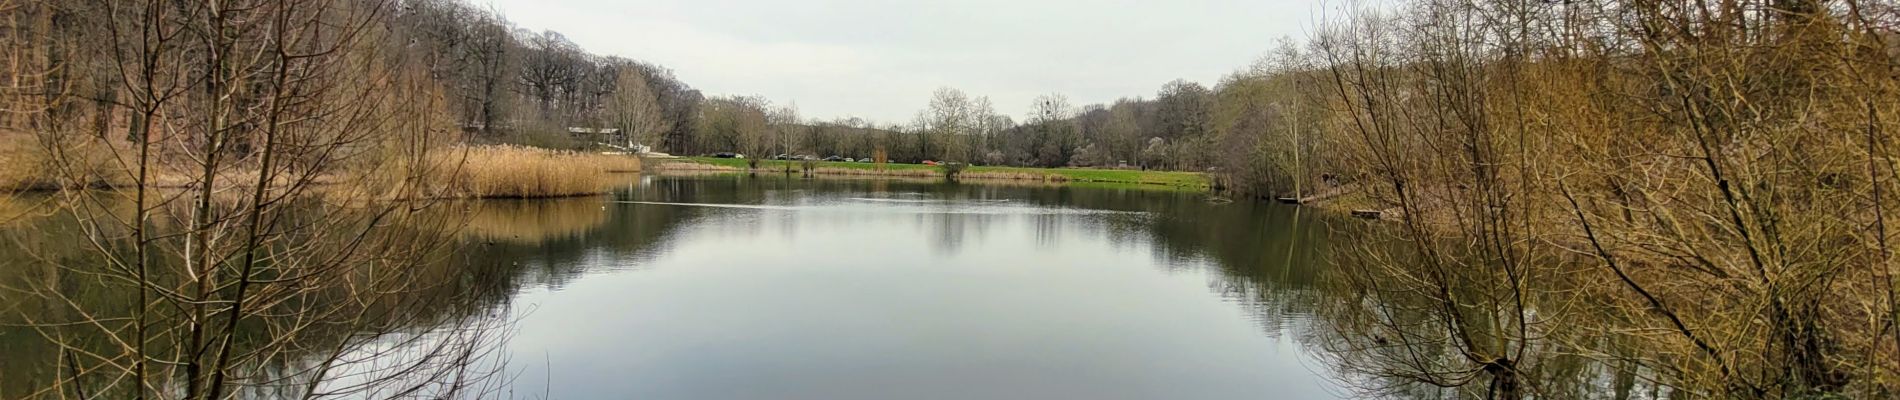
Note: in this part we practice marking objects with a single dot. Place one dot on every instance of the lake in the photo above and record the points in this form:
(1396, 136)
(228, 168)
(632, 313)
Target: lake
(734, 287)
(745, 288)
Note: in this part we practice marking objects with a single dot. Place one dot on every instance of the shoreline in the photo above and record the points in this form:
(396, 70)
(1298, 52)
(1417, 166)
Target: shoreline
(1173, 179)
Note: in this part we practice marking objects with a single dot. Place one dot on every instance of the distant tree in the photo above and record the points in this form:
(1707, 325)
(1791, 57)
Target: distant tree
(738, 123)
(985, 126)
(784, 131)
(552, 70)
(470, 51)
(1183, 114)
(1155, 153)
(948, 123)
(1051, 107)
(1091, 155)
(635, 110)
(1123, 130)
(486, 95)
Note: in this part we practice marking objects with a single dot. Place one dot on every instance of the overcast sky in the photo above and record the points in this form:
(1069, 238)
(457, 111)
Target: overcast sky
(881, 59)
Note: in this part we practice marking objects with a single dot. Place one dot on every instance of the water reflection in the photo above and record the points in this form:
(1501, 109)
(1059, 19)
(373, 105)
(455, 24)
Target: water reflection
(735, 287)
(532, 221)
(1391, 323)
(70, 315)
(788, 288)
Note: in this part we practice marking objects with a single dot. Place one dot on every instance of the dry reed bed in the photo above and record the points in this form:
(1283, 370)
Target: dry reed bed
(506, 171)
(26, 164)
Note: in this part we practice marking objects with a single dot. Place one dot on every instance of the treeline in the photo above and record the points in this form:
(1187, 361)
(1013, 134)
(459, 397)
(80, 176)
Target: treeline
(1238, 127)
(492, 82)
(1171, 132)
(495, 82)
(508, 84)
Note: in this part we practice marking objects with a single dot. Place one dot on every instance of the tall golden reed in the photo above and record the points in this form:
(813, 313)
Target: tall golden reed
(506, 171)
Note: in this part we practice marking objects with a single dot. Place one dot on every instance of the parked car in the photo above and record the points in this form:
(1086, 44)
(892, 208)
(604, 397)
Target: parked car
(849, 159)
(834, 158)
(726, 154)
(928, 162)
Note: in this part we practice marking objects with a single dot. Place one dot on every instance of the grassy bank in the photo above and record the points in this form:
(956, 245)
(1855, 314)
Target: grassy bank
(1068, 175)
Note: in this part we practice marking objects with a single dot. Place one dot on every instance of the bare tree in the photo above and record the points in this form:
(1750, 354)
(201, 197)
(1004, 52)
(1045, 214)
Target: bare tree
(223, 253)
(947, 125)
(552, 70)
(636, 111)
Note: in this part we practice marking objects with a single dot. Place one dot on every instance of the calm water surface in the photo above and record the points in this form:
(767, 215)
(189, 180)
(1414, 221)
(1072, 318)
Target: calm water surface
(747, 288)
(735, 287)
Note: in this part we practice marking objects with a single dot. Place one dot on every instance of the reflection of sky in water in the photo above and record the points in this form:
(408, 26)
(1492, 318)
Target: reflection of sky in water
(811, 295)
(901, 206)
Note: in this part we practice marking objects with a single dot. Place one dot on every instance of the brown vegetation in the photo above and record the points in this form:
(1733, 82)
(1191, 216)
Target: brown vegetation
(1705, 183)
(532, 222)
(522, 172)
(209, 270)
(30, 162)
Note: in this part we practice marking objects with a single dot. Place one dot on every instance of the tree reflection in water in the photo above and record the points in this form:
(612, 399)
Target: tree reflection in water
(337, 309)
(438, 324)
(1395, 323)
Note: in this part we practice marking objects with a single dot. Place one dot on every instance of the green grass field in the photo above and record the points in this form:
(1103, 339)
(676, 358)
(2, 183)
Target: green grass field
(1083, 175)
